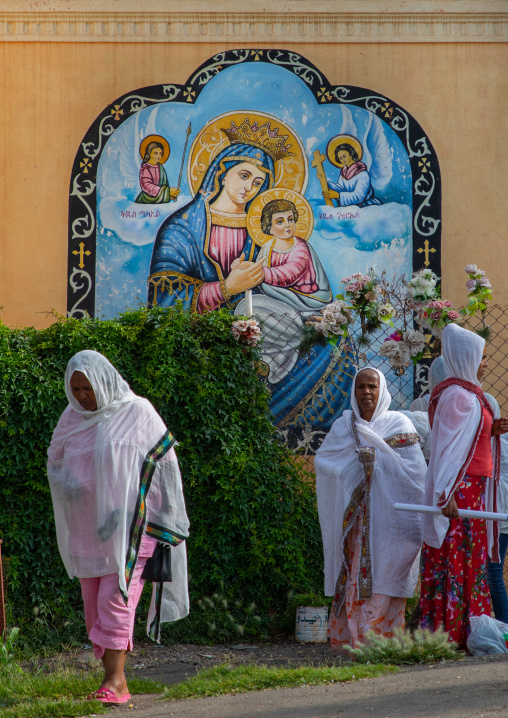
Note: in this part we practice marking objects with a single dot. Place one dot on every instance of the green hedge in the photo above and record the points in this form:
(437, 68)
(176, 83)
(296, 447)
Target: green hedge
(254, 530)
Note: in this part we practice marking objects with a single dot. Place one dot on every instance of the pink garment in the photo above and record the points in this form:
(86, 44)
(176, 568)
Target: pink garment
(109, 622)
(293, 269)
(149, 176)
(381, 614)
(354, 169)
(226, 245)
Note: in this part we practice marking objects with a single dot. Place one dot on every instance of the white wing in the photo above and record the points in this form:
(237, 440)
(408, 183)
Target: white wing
(348, 126)
(378, 155)
(129, 159)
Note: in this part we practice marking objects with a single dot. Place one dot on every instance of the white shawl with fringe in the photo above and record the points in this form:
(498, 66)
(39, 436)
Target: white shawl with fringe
(114, 477)
(383, 465)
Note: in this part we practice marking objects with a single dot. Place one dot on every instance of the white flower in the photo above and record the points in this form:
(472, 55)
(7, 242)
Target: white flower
(471, 269)
(334, 318)
(396, 352)
(426, 274)
(422, 282)
(385, 312)
(328, 316)
(484, 282)
(415, 341)
(247, 330)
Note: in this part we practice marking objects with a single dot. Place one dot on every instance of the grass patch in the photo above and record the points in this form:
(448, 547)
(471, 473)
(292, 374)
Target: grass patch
(223, 679)
(62, 692)
(403, 649)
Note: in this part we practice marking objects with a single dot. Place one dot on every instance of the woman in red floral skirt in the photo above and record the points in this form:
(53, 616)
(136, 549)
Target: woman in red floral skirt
(463, 473)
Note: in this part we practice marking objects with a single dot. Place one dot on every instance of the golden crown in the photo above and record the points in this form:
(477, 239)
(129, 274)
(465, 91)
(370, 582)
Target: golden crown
(261, 136)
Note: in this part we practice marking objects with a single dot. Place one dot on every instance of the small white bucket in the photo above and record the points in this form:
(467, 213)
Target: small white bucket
(311, 624)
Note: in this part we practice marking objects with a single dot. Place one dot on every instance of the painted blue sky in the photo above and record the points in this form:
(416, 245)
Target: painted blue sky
(377, 236)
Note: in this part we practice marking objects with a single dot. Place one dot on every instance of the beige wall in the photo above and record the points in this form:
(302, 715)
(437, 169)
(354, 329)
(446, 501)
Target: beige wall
(52, 91)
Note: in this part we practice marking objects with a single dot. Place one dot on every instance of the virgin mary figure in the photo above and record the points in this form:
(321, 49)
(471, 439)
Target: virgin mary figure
(193, 258)
(196, 246)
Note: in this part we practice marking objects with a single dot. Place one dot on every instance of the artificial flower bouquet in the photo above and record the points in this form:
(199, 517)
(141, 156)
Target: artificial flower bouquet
(246, 331)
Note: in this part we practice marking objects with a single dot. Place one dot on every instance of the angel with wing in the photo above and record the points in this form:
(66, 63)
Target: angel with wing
(353, 185)
(153, 179)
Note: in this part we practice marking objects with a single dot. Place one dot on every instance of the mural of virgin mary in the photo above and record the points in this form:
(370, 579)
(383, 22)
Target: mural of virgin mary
(192, 262)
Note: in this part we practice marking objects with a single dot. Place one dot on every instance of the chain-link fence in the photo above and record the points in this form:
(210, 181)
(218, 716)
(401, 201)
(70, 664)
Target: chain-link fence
(304, 407)
(310, 385)
(310, 388)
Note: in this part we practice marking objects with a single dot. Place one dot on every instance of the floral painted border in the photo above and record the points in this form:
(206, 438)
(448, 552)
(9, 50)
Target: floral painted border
(83, 198)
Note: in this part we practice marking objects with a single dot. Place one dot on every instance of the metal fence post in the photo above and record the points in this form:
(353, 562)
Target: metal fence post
(2, 597)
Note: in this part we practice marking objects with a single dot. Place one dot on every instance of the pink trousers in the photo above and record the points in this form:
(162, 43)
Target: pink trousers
(109, 622)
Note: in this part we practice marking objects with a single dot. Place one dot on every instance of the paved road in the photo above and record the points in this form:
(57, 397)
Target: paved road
(473, 688)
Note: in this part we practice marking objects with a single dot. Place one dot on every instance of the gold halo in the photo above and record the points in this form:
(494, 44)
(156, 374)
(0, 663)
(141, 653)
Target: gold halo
(304, 224)
(339, 140)
(290, 172)
(155, 138)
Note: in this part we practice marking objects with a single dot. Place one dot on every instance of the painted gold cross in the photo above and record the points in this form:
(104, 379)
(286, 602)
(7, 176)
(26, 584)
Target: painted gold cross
(317, 162)
(82, 251)
(427, 251)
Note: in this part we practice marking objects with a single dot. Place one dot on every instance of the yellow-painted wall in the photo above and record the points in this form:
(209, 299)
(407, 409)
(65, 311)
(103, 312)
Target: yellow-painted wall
(52, 91)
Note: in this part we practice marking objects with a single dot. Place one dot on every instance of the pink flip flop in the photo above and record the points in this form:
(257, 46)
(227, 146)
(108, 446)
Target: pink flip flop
(104, 695)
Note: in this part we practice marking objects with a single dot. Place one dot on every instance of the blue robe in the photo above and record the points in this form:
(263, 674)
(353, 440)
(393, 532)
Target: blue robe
(357, 190)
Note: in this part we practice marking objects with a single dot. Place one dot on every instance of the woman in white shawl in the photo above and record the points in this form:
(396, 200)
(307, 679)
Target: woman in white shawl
(116, 492)
(463, 473)
(370, 460)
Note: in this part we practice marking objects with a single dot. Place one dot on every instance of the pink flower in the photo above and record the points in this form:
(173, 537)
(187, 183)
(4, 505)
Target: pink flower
(453, 315)
(438, 304)
(436, 316)
(447, 303)
(395, 337)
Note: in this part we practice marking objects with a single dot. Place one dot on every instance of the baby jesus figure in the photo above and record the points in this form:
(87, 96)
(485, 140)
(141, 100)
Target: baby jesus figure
(294, 288)
(287, 259)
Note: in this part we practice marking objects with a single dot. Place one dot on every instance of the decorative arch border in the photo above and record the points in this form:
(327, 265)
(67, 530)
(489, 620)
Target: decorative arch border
(426, 177)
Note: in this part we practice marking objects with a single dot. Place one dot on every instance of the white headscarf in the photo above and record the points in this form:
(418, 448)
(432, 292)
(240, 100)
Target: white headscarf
(110, 388)
(462, 353)
(383, 402)
(456, 421)
(394, 536)
(114, 476)
(437, 373)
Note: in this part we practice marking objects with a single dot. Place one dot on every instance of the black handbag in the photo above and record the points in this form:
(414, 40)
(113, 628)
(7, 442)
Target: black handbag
(158, 566)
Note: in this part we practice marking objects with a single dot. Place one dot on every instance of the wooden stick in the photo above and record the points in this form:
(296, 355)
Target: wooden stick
(463, 513)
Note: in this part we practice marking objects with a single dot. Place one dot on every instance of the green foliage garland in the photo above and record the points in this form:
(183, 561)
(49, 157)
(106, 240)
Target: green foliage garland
(254, 528)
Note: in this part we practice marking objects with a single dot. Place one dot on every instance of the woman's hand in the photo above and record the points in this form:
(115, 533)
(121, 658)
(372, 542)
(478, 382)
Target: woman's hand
(242, 277)
(451, 510)
(499, 426)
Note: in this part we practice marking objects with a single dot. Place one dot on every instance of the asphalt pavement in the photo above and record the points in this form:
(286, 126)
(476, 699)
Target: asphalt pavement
(472, 688)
